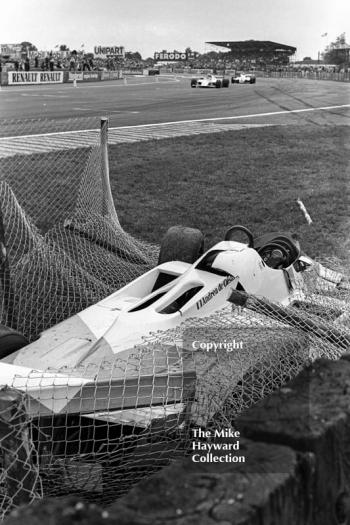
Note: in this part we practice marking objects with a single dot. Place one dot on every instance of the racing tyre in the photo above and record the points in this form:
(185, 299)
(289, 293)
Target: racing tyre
(252, 80)
(181, 244)
(193, 83)
(10, 341)
(225, 83)
(218, 84)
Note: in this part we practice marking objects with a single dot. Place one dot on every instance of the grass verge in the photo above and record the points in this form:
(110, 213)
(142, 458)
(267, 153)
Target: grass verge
(210, 181)
(252, 177)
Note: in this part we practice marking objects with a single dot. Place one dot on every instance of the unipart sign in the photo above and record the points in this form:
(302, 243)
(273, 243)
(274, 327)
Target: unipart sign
(109, 51)
(175, 55)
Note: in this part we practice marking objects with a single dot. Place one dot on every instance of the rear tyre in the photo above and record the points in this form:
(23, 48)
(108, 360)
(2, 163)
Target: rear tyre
(181, 244)
(10, 341)
(225, 83)
(193, 83)
(218, 84)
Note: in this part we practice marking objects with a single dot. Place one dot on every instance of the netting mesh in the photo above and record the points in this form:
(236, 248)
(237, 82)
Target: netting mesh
(64, 246)
(98, 428)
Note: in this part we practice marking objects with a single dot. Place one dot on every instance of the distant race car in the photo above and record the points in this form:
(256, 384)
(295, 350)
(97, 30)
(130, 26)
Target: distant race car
(244, 78)
(210, 81)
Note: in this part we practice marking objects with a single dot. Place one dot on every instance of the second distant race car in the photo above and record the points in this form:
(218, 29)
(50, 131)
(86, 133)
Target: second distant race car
(244, 78)
(210, 81)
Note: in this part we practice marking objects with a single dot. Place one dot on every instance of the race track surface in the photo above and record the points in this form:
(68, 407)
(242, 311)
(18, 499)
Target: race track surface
(152, 100)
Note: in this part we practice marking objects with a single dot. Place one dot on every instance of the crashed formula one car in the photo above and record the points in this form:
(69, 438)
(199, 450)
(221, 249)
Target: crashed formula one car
(186, 283)
(98, 417)
(244, 78)
(210, 81)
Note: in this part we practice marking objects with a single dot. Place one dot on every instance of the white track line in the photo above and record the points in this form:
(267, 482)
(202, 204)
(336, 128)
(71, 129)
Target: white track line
(210, 119)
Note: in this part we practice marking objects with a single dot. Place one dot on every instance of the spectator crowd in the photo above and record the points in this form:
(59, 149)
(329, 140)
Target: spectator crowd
(215, 61)
(71, 61)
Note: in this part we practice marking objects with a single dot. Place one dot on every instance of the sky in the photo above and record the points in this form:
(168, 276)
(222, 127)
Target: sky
(155, 25)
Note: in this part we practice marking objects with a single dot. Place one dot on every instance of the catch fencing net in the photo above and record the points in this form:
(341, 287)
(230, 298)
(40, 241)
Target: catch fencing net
(62, 246)
(97, 428)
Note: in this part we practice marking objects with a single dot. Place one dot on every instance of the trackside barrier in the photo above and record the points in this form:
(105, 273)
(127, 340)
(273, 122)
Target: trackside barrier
(311, 75)
(94, 76)
(47, 77)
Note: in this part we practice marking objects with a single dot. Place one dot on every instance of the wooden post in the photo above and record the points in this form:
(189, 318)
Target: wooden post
(20, 474)
(262, 306)
(5, 279)
(107, 202)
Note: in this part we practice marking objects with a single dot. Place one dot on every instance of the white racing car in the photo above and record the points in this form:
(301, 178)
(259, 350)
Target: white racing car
(66, 407)
(210, 81)
(244, 78)
(186, 283)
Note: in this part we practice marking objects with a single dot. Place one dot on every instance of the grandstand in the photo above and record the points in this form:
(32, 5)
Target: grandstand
(259, 53)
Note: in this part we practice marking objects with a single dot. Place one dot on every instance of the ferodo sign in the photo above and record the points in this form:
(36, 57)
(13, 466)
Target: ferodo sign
(109, 51)
(174, 55)
(35, 77)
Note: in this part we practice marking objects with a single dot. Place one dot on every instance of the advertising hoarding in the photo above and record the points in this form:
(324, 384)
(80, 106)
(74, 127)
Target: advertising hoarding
(90, 75)
(75, 76)
(173, 56)
(35, 77)
(110, 75)
(109, 51)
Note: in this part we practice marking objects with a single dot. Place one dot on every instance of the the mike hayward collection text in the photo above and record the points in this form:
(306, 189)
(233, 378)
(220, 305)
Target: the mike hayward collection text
(224, 451)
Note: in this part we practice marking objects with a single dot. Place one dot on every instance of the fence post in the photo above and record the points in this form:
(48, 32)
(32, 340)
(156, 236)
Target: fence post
(5, 279)
(107, 199)
(19, 474)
